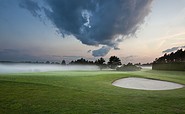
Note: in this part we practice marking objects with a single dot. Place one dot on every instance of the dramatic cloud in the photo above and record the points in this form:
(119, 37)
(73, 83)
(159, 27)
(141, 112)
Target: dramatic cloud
(94, 22)
(31, 6)
(173, 49)
(101, 52)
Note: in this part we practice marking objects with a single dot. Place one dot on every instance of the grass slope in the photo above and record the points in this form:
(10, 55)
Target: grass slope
(88, 92)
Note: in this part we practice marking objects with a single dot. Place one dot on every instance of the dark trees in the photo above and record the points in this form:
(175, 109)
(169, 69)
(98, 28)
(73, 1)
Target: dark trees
(101, 63)
(63, 62)
(47, 62)
(178, 56)
(82, 61)
(114, 62)
(128, 67)
(173, 61)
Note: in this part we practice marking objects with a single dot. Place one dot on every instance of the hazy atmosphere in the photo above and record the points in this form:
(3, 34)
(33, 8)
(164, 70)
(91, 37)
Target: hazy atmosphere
(134, 30)
(26, 68)
(92, 56)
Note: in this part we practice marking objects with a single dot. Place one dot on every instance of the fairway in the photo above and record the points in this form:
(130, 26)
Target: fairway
(88, 92)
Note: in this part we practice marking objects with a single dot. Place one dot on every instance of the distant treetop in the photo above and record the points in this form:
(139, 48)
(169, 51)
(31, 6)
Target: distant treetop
(178, 56)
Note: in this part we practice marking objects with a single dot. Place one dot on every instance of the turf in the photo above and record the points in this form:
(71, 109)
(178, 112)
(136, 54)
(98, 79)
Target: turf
(83, 92)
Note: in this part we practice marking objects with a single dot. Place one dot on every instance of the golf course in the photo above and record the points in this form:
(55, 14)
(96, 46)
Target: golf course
(92, 57)
(83, 92)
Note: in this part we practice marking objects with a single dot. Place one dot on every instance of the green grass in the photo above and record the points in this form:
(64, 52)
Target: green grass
(83, 92)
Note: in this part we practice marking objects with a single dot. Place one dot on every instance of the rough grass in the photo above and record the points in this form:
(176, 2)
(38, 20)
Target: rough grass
(88, 92)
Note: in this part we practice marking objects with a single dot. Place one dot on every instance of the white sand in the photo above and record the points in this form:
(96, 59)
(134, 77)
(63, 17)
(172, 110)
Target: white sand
(146, 84)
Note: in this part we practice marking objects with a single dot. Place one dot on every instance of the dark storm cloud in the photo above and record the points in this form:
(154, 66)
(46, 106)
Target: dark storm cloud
(94, 22)
(31, 6)
(173, 49)
(101, 52)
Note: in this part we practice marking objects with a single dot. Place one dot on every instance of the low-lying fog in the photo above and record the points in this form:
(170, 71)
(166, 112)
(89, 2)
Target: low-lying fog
(146, 67)
(21, 68)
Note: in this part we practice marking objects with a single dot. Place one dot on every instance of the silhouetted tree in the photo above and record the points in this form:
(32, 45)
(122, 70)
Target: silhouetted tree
(114, 62)
(56, 63)
(128, 67)
(137, 64)
(91, 62)
(129, 64)
(82, 61)
(47, 62)
(63, 62)
(100, 62)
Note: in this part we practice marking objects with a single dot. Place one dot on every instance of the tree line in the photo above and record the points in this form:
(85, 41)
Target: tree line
(173, 61)
(178, 56)
(113, 62)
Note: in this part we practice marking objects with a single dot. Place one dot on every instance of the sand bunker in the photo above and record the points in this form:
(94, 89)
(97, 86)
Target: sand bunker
(145, 84)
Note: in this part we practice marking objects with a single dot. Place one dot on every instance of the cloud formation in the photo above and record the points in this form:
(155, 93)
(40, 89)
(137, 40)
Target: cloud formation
(101, 52)
(173, 49)
(31, 6)
(94, 22)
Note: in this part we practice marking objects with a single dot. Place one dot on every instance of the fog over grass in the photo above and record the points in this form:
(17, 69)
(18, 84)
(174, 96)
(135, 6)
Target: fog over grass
(146, 67)
(21, 68)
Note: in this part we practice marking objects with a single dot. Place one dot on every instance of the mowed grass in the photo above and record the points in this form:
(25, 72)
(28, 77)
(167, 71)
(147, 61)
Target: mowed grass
(84, 92)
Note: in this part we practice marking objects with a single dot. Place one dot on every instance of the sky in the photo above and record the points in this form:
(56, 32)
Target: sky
(133, 30)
